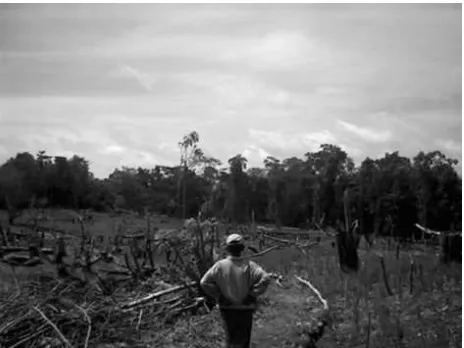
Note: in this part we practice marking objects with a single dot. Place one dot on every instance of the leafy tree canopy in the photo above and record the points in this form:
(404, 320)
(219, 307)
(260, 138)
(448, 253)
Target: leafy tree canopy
(388, 193)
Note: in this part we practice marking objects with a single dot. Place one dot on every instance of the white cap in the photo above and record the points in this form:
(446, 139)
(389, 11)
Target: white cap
(234, 238)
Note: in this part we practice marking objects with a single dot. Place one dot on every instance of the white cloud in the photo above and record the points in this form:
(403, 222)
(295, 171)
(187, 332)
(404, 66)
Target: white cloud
(370, 135)
(229, 90)
(278, 49)
(354, 152)
(147, 158)
(168, 147)
(255, 155)
(145, 80)
(113, 149)
(273, 78)
(450, 145)
(291, 141)
(318, 138)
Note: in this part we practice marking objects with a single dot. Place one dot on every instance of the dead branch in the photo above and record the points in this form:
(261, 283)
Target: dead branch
(4, 235)
(139, 320)
(368, 333)
(346, 210)
(36, 333)
(156, 295)
(438, 233)
(289, 242)
(318, 294)
(412, 268)
(44, 228)
(292, 233)
(55, 328)
(89, 330)
(264, 252)
(292, 243)
(21, 260)
(320, 229)
(385, 276)
(13, 273)
(140, 235)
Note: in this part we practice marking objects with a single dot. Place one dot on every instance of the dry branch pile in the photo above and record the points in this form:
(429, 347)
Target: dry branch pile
(56, 313)
(82, 303)
(59, 314)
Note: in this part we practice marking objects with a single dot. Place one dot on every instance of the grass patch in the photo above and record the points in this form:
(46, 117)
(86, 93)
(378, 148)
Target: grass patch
(427, 316)
(424, 310)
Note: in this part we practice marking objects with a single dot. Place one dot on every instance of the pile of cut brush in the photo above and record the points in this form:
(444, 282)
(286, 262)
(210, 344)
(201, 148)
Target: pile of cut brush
(57, 313)
(93, 298)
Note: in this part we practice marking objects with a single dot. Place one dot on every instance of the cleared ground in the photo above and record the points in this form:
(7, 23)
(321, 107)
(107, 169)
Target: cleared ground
(424, 310)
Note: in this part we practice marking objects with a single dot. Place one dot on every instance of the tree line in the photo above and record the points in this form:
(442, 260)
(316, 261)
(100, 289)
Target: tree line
(388, 195)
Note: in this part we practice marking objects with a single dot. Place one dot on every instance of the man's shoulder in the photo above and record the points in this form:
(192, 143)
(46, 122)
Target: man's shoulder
(221, 263)
(220, 266)
(228, 262)
(257, 268)
(253, 264)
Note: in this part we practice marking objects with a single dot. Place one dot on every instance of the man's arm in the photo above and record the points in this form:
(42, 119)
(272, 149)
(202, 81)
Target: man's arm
(260, 280)
(208, 282)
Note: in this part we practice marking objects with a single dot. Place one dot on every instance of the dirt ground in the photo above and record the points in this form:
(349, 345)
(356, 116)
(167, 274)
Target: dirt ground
(423, 312)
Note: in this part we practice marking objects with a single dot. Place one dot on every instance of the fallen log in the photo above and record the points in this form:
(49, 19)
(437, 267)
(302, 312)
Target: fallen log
(316, 292)
(14, 249)
(292, 233)
(21, 260)
(42, 228)
(450, 243)
(290, 242)
(438, 233)
(315, 333)
(115, 272)
(286, 241)
(301, 247)
(142, 235)
(157, 295)
(264, 252)
(322, 231)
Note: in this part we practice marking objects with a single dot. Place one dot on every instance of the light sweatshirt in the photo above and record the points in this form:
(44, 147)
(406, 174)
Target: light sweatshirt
(232, 280)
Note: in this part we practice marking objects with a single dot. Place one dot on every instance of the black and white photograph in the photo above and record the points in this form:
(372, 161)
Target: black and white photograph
(238, 175)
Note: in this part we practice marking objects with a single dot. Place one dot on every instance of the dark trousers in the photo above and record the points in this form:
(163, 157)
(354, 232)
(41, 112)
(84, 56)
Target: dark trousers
(237, 326)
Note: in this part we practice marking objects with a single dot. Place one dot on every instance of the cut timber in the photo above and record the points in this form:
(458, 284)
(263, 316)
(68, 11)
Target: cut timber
(292, 233)
(318, 294)
(268, 250)
(142, 235)
(4, 235)
(438, 233)
(42, 228)
(14, 249)
(157, 295)
(21, 260)
(450, 242)
(289, 242)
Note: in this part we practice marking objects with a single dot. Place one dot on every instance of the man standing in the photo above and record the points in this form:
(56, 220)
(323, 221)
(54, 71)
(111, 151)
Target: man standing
(235, 283)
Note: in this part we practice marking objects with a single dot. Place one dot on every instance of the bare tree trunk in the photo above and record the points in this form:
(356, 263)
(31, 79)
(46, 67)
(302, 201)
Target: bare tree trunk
(346, 209)
(184, 194)
(3, 233)
(179, 183)
(316, 203)
(253, 223)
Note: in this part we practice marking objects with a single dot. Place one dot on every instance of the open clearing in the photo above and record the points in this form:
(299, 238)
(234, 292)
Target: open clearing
(423, 311)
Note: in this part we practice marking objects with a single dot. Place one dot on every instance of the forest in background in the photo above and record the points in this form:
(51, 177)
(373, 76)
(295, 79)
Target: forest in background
(388, 195)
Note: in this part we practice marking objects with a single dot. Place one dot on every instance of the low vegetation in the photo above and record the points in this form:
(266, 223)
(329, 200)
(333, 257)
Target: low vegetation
(116, 262)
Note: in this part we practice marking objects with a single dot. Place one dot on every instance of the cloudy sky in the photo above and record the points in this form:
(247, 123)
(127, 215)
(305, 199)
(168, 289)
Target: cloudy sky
(121, 84)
